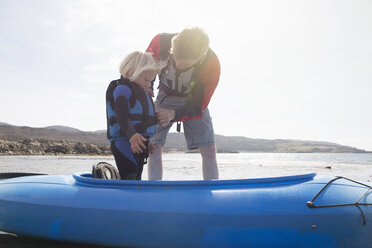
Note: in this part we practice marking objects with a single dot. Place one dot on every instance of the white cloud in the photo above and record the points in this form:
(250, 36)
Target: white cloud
(99, 73)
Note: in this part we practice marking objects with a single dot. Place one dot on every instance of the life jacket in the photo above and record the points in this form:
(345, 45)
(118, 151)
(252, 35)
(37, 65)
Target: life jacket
(141, 111)
(170, 79)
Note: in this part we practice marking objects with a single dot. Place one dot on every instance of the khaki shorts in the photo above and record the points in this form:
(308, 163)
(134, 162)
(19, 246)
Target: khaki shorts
(198, 133)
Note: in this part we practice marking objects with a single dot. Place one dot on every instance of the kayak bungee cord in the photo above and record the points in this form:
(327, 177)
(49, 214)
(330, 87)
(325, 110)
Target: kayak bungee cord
(311, 203)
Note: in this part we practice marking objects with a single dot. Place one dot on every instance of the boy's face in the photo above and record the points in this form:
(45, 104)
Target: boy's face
(145, 78)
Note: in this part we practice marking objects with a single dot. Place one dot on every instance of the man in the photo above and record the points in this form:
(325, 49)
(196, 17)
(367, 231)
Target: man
(186, 85)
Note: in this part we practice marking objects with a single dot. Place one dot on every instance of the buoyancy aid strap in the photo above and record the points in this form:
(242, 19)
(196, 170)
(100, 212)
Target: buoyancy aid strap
(171, 92)
(136, 117)
(142, 126)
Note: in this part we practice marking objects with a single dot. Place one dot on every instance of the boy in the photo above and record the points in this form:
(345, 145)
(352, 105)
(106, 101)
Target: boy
(130, 114)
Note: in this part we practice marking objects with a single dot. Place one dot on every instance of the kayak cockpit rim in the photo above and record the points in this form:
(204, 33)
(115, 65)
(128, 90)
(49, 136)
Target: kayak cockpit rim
(86, 179)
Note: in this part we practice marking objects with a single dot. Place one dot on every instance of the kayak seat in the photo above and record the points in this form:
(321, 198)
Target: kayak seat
(105, 170)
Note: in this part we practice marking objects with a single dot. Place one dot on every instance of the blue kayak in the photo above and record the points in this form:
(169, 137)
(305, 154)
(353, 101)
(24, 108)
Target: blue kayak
(294, 211)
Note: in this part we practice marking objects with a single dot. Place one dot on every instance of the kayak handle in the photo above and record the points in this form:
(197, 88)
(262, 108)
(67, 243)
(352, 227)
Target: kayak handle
(311, 204)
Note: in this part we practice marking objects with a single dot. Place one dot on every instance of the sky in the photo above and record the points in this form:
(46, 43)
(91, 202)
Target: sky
(290, 69)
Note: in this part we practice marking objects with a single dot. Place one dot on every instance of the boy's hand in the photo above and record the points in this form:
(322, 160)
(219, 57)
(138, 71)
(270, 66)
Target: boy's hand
(137, 144)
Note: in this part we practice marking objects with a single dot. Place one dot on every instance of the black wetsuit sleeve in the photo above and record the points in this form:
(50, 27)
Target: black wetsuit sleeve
(122, 115)
(193, 105)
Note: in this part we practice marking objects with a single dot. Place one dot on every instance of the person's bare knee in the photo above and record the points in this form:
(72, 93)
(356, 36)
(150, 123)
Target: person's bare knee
(208, 152)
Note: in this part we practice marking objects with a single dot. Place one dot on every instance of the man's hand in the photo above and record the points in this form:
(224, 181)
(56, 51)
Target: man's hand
(137, 144)
(165, 116)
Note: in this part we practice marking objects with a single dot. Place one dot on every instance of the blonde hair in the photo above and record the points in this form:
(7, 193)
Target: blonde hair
(190, 43)
(137, 62)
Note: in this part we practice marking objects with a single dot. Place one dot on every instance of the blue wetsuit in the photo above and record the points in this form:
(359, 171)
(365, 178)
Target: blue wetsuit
(129, 110)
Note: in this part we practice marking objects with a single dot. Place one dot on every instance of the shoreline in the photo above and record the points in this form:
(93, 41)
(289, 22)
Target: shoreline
(170, 152)
(69, 147)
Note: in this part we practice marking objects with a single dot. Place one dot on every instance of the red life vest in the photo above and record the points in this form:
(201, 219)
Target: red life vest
(196, 83)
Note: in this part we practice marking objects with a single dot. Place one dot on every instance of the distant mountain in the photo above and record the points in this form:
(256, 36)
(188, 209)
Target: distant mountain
(100, 131)
(64, 139)
(15, 133)
(176, 142)
(4, 124)
(63, 128)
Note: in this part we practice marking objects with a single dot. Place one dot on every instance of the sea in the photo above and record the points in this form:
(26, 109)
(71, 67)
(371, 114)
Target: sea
(187, 166)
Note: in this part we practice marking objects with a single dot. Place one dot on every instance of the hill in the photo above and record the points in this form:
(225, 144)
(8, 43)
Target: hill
(63, 128)
(66, 140)
(4, 124)
(229, 144)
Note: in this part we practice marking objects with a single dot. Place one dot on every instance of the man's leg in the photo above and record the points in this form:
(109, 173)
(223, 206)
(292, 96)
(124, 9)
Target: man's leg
(155, 163)
(199, 134)
(209, 158)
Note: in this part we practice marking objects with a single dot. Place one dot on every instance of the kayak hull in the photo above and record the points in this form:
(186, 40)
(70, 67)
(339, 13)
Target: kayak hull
(270, 212)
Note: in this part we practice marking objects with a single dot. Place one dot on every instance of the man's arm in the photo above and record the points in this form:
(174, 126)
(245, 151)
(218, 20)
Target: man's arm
(154, 47)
